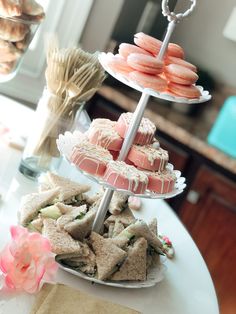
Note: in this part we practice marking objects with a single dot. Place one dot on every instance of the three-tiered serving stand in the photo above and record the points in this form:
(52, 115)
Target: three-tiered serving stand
(67, 141)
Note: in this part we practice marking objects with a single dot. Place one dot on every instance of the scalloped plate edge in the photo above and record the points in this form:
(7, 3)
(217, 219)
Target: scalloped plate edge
(156, 275)
(179, 185)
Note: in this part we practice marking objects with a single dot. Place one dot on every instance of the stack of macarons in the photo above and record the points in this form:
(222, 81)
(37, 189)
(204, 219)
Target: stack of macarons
(145, 167)
(139, 63)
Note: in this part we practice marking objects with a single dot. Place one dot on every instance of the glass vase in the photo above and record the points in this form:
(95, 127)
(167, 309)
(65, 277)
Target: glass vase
(41, 153)
(16, 34)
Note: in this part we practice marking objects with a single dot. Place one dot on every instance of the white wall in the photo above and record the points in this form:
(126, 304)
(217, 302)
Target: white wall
(202, 38)
(100, 24)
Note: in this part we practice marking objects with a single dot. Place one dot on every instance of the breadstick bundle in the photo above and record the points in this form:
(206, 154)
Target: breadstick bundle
(19, 19)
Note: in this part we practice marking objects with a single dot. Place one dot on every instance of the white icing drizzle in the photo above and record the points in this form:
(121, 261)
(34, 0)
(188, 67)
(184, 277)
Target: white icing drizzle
(132, 174)
(104, 132)
(154, 154)
(85, 151)
(146, 128)
(164, 176)
(155, 143)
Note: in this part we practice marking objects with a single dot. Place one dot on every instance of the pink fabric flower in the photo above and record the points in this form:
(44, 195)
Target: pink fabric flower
(167, 240)
(27, 261)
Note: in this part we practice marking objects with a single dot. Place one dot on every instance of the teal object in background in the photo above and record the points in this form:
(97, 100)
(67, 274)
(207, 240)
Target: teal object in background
(223, 132)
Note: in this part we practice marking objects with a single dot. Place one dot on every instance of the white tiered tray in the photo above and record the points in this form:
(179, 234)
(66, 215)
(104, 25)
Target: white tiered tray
(65, 144)
(155, 275)
(205, 96)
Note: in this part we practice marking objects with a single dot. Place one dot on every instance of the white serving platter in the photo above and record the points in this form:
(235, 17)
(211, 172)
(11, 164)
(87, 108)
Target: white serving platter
(155, 275)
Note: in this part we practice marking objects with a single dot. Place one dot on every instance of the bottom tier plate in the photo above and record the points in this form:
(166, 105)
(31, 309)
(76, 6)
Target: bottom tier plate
(155, 275)
(65, 144)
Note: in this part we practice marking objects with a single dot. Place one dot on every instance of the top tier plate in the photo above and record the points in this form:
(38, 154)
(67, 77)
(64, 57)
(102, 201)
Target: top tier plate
(205, 96)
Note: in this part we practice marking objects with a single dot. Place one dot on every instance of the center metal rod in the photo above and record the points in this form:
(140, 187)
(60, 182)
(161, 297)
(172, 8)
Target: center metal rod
(129, 138)
(164, 46)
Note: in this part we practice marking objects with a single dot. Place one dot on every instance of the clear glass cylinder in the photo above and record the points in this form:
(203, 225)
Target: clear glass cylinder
(41, 153)
(16, 33)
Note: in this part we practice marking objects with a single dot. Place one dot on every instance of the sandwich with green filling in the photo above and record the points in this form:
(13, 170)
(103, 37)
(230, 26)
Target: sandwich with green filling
(31, 204)
(69, 252)
(70, 191)
(134, 266)
(108, 256)
(81, 225)
(141, 229)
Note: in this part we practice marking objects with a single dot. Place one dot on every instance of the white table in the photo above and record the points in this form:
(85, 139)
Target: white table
(186, 289)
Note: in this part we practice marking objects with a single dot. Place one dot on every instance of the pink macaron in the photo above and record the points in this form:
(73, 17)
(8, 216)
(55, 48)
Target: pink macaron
(179, 61)
(90, 158)
(118, 64)
(126, 177)
(154, 82)
(161, 182)
(178, 74)
(148, 157)
(102, 132)
(187, 91)
(148, 43)
(145, 64)
(145, 131)
(175, 50)
(126, 49)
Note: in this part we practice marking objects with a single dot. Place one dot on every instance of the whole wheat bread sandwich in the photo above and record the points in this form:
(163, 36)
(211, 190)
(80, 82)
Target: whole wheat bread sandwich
(85, 263)
(32, 203)
(108, 255)
(125, 217)
(134, 266)
(141, 229)
(61, 241)
(118, 203)
(72, 213)
(117, 229)
(68, 188)
(81, 226)
(153, 226)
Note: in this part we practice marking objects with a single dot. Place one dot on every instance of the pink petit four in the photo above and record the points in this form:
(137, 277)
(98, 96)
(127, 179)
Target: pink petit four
(102, 132)
(148, 157)
(90, 158)
(145, 131)
(123, 176)
(161, 182)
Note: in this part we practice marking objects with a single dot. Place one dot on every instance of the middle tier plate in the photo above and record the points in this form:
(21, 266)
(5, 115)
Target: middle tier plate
(65, 145)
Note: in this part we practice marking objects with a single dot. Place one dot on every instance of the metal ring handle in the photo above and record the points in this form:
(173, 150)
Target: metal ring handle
(171, 16)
